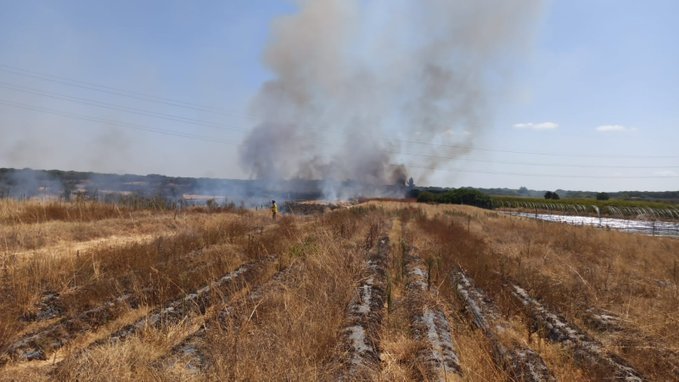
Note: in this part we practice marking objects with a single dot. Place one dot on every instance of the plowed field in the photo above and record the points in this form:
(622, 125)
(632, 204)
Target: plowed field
(377, 291)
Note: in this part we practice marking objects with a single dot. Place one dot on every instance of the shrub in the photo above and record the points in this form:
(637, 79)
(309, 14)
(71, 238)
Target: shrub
(552, 195)
(458, 196)
(602, 196)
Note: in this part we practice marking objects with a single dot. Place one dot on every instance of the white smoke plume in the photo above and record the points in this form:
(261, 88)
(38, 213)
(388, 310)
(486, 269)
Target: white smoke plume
(355, 80)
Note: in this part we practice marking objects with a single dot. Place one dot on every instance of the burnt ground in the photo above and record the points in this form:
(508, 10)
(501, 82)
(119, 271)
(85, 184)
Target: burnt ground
(403, 302)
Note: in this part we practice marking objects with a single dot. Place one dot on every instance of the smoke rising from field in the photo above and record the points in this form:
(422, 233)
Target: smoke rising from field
(356, 82)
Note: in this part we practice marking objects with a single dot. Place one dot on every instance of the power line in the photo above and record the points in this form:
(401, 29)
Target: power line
(467, 148)
(532, 164)
(212, 140)
(196, 107)
(83, 117)
(168, 101)
(456, 170)
(185, 135)
(85, 101)
(109, 89)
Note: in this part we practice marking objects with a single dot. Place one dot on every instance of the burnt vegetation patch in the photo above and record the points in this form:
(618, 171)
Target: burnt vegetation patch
(468, 240)
(379, 290)
(586, 349)
(360, 346)
(429, 323)
(521, 362)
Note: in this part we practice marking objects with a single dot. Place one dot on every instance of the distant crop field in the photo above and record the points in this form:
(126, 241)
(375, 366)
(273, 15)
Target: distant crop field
(611, 207)
(379, 290)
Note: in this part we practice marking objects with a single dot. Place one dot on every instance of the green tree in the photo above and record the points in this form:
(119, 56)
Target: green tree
(602, 196)
(426, 197)
(459, 196)
(552, 195)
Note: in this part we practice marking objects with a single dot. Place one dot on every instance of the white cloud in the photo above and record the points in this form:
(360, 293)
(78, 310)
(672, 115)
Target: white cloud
(614, 128)
(537, 126)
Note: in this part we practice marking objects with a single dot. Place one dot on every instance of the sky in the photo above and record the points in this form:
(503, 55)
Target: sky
(589, 102)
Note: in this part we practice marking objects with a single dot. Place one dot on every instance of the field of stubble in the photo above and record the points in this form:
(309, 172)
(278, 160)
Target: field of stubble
(379, 291)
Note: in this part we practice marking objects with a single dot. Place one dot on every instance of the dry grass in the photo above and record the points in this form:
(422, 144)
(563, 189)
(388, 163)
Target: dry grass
(290, 334)
(41, 211)
(27, 226)
(631, 276)
(573, 269)
(292, 330)
(156, 270)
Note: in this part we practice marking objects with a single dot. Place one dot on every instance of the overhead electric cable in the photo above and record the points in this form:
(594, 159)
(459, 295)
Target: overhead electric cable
(213, 140)
(204, 138)
(532, 164)
(109, 89)
(133, 126)
(109, 106)
(477, 148)
(187, 105)
(456, 170)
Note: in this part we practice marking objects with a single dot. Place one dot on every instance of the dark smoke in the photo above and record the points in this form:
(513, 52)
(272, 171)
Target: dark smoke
(354, 79)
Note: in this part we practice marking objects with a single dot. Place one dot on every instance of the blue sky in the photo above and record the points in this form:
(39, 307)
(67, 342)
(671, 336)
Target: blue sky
(165, 87)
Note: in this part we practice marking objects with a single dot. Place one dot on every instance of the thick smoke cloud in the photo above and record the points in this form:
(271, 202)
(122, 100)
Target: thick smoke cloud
(355, 80)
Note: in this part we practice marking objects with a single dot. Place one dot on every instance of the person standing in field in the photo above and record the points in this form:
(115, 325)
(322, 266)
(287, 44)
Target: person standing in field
(274, 209)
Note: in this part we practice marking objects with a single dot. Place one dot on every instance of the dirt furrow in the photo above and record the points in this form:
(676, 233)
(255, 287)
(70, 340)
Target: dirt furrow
(190, 350)
(179, 309)
(197, 301)
(588, 352)
(618, 332)
(53, 305)
(521, 362)
(37, 345)
(50, 306)
(429, 324)
(361, 334)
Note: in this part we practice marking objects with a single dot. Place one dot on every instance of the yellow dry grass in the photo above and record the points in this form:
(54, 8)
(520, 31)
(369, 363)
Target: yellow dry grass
(292, 330)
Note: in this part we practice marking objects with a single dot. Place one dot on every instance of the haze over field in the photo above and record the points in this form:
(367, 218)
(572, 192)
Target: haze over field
(543, 94)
